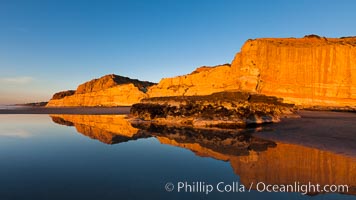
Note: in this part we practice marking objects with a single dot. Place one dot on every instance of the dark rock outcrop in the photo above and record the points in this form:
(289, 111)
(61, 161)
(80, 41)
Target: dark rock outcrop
(223, 110)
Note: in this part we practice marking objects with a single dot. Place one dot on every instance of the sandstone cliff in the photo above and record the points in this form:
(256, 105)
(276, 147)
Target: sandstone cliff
(109, 90)
(307, 71)
(203, 81)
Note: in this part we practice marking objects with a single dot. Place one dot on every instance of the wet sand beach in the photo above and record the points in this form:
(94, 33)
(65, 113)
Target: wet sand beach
(65, 110)
(329, 131)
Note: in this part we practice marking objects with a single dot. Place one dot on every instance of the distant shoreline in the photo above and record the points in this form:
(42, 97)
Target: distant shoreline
(99, 110)
(65, 110)
(35, 104)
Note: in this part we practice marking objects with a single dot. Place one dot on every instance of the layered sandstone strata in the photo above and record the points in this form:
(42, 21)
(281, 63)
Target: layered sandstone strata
(109, 90)
(203, 81)
(309, 71)
(306, 71)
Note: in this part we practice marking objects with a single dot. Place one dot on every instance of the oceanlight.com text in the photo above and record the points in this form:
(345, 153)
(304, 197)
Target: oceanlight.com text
(206, 188)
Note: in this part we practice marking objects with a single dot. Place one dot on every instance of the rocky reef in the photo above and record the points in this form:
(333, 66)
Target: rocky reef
(109, 90)
(222, 110)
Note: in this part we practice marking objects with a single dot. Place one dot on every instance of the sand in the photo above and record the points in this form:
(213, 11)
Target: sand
(329, 131)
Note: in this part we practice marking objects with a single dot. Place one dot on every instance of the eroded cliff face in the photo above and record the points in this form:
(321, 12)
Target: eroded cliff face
(110, 81)
(109, 90)
(307, 71)
(121, 95)
(203, 81)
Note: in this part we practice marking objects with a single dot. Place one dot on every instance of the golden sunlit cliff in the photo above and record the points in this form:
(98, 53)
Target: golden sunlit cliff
(305, 71)
(203, 81)
(109, 90)
(309, 71)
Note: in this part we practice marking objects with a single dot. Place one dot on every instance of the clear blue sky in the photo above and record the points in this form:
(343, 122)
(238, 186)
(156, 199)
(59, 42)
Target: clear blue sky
(48, 46)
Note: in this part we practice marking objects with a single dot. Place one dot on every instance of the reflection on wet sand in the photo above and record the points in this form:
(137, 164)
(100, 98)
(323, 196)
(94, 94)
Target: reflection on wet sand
(109, 129)
(289, 163)
(253, 159)
(224, 142)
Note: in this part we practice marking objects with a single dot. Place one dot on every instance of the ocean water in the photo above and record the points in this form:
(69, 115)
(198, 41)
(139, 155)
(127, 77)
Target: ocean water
(106, 157)
(9, 107)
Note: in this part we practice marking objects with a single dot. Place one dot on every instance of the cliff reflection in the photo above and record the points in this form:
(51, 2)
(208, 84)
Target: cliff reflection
(112, 129)
(252, 159)
(109, 129)
(289, 163)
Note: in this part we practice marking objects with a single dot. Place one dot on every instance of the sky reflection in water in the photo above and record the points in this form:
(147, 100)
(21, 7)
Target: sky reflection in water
(43, 160)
